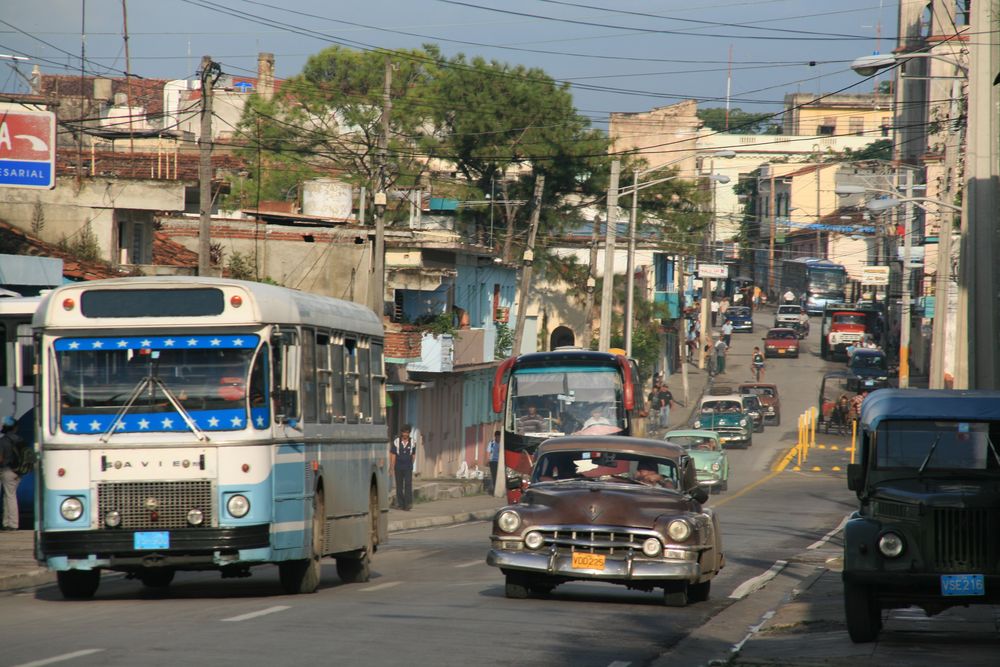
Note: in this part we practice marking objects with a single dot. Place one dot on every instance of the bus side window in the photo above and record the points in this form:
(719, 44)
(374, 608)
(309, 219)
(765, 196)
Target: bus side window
(378, 383)
(351, 379)
(323, 377)
(364, 386)
(308, 375)
(286, 395)
(339, 406)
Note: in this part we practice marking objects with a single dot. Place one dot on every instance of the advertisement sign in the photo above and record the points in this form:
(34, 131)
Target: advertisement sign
(874, 275)
(27, 147)
(713, 271)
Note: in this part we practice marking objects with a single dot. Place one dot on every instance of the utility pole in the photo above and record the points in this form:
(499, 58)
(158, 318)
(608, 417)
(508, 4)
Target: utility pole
(376, 286)
(774, 231)
(681, 289)
(904, 327)
(630, 266)
(820, 249)
(607, 292)
(209, 75)
(588, 324)
(529, 256)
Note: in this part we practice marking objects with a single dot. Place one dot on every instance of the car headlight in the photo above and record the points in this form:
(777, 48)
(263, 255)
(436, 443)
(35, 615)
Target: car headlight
(652, 547)
(509, 521)
(71, 509)
(891, 545)
(238, 505)
(679, 530)
(743, 422)
(716, 466)
(792, 348)
(534, 540)
(697, 423)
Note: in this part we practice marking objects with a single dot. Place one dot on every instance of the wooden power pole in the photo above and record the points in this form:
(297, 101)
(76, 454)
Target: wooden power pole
(376, 287)
(529, 256)
(209, 74)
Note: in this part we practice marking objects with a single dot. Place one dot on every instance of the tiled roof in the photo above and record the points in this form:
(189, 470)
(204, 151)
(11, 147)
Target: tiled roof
(171, 253)
(146, 93)
(141, 165)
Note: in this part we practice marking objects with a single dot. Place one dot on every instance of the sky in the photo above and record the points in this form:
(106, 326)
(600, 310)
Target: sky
(618, 55)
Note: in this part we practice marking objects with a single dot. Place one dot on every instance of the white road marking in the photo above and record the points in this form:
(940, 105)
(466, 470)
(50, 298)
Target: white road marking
(61, 658)
(753, 630)
(826, 538)
(472, 563)
(379, 587)
(255, 614)
(756, 583)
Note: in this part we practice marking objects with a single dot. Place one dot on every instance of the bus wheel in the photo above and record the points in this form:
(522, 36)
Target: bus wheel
(356, 569)
(78, 584)
(157, 577)
(302, 576)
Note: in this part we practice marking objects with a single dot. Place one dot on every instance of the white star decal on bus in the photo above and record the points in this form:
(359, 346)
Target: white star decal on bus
(168, 342)
(238, 342)
(71, 425)
(74, 345)
(167, 422)
(121, 425)
(236, 421)
(213, 422)
(143, 424)
(97, 345)
(260, 422)
(192, 342)
(123, 343)
(95, 425)
(216, 342)
(146, 343)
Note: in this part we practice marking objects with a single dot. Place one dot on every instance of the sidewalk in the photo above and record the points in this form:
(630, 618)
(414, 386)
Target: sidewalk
(18, 568)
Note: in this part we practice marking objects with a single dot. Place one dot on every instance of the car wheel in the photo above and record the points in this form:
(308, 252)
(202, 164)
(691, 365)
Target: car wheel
(715, 489)
(699, 592)
(157, 577)
(541, 587)
(78, 584)
(777, 420)
(864, 618)
(515, 588)
(760, 427)
(749, 443)
(675, 595)
(723, 485)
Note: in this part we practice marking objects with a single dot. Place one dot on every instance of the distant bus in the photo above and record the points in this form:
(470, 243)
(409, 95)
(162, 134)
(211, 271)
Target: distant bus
(815, 282)
(567, 391)
(17, 384)
(208, 424)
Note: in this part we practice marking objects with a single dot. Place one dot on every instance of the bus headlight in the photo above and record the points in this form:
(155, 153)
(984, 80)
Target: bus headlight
(238, 505)
(113, 519)
(651, 547)
(509, 521)
(534, 540)
(679, 530)
(196, 517)
(71, 509)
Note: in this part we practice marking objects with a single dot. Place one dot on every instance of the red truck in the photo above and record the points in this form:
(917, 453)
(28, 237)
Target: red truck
(841, 328)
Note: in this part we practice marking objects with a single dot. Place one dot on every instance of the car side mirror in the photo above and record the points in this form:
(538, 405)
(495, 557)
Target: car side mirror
(855, 476)
(699, 493)
(514, 483)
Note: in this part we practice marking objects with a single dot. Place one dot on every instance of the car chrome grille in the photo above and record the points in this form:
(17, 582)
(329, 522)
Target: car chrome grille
(607, 542)
(155, 505)
(965, 540)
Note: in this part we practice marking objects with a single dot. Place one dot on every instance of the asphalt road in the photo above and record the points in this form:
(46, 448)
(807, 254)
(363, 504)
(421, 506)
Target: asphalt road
(434, 601)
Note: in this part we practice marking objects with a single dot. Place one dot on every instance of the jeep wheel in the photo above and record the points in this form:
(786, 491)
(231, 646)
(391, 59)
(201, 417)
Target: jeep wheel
(864, 618)
(160, 577)
(78, 584)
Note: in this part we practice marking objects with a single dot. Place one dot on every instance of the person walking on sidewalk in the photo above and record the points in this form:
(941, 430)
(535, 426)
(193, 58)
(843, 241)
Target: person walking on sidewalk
(401, 457)
(715, 312)
(720, 348)
(727, 332)
(493, 456)
(9, 479)
(666, 401)
(709, 353)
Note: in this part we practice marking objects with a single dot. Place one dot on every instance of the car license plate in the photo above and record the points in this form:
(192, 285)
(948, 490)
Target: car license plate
(869, 383)
(963, 584)
(148, 540)
(585, 561)
(782, 350)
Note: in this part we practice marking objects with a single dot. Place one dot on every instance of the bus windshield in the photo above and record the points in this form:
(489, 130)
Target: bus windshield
(98, 377)
(550, 401)
(826, 281)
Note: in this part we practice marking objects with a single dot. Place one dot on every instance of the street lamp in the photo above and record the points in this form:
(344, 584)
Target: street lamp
(869, 65)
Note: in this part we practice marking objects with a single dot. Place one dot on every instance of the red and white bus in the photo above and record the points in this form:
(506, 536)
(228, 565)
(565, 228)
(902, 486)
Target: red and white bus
(567, 391)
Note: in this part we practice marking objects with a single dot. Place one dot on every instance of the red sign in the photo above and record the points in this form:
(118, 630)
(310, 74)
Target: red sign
(27, 147)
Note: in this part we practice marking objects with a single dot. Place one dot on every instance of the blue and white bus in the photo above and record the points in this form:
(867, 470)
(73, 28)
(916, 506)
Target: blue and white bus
(208, 424)
(814, 282)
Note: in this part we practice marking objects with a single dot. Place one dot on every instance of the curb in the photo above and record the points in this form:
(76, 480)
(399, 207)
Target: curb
(434, 521)
(26, 580)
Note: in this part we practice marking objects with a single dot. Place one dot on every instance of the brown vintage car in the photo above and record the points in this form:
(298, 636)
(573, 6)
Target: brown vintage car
(614, 509)
(769, 398)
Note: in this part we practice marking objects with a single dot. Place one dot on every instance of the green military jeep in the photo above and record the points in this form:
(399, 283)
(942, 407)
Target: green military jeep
(927, 531)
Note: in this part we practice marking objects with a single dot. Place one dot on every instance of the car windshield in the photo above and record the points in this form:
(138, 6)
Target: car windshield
(606, 466)
(722, 407)
(695, 442)
(758, 391)
(789, 310)
(937, 445)
(781, 335)
(876, 361)
(737, 311)
(849, 319)
(751, 403)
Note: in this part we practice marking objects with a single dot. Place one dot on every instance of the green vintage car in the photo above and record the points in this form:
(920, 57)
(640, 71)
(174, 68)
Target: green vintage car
(725, 416)
(710, 460)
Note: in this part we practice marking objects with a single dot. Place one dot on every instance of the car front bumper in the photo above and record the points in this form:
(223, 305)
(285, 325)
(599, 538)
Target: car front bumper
(627, 568)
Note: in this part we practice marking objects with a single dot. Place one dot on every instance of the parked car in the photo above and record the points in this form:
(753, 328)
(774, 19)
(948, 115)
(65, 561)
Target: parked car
(787, 315)
(781, 342)
(867, 369)
(927, 529)
(741, 317)
(710, 460)
(769, 398)
(725, 416)
(614, 509)
(753, 407)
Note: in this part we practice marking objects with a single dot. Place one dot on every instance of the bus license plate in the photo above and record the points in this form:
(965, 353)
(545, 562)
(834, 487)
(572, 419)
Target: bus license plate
(148, 540)
(585, 561)
(963, 584)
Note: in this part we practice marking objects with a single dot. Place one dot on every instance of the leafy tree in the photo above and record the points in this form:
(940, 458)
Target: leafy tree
(740, 122)
(877, 150)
